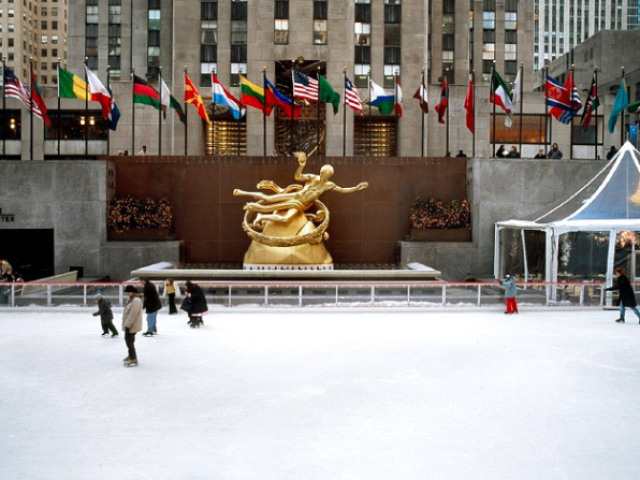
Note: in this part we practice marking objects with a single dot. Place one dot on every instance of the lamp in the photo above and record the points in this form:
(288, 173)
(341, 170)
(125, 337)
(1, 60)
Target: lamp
(12, 124)
(92, 121)
(82, 120)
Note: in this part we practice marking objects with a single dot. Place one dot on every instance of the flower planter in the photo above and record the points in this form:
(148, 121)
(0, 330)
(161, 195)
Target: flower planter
(141, 234)
(440, 235)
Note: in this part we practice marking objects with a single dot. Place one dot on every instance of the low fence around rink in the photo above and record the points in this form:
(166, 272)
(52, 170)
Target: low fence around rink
(306, 293)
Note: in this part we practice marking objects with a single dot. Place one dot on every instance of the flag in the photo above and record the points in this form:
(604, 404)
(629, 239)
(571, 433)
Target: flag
(114, 116)
(398, 104)
(516, 92)
(170, 101)
(222, 96)
(98, 92)
(591, 104)
(421, 95)
(253, 96)
(564, 100)
(351, 96)
(469, 107)
(191, 95)
(144, 94)
(14, 88)
(499, 94)
(381, 99)
(38, 101)
(304, 86)
(71, 86)
(441, 108)
(326, 94)
(273, 97)
(633, 108)
(620, 103)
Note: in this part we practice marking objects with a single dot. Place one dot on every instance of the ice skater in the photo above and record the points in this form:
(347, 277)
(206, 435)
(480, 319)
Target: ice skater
(171, 295)
(627, 295)
(106, 316)
(197, 305)
(131, 324)
(510, 290)
(151, 305)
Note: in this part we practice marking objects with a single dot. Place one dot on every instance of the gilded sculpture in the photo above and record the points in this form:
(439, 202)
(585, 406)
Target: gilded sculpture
(288, 226)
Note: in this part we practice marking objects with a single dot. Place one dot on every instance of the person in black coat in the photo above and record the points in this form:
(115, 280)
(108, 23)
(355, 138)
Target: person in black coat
(151, 304)
(197, 304)
(106, 316)
(627, 295)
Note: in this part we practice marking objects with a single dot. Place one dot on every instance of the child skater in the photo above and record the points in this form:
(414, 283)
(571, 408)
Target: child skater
(106, 316)
(509, 284)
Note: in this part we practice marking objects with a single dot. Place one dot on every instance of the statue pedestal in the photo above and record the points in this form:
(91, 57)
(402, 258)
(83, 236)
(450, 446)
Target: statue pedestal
(295, 257)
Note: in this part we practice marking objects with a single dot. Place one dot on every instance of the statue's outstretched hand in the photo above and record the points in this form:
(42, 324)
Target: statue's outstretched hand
(362, 185)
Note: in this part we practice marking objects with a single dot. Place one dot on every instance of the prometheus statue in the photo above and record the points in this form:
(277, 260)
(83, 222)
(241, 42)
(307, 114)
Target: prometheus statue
(289, 225)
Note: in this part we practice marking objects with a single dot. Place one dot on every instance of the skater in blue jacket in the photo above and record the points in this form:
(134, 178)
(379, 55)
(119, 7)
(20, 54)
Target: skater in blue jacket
(627, 295)
(509, 284)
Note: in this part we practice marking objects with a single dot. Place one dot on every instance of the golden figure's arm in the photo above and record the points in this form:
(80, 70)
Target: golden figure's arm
(360, 186)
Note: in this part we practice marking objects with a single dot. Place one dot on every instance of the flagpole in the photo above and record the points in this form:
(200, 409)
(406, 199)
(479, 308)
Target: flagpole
(473, 92)
(622, 125)
(546, 110)
(264, 113)
(31, 106)
(213, 117)
(108, 127)
(185, 119)
(318, 114)
(344, 114)
(160, 111)
(493, 93)
(133, 112)
(369, 113)
(595, 143)
(571, 110)
(446, 73)
(521, 103)
(422, 111)
(275, 80)
(4, 110)
(86, 108)
(58, 133)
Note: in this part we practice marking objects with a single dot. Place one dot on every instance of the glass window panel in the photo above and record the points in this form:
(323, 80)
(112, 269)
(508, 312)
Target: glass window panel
(320, 32)
(238, 33)
(510, 21)
(281, 9)
(154, 20)
(392, 14)
(489, 20)
(281, 32)
(209, 36)
(320, 10)
(209, 11)
(362, 33)
(363, 13)
(392, 34)
(448, 24)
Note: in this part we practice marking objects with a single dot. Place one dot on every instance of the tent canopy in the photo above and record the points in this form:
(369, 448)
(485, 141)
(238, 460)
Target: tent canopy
(611, 199)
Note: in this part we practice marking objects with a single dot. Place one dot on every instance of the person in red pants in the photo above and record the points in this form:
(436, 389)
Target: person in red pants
(509, 284)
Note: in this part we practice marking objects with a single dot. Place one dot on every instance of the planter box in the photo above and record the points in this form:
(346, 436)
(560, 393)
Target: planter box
(142, 234)
(440, 235)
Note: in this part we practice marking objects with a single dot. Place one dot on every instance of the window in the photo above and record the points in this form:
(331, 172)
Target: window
(320, 22)
(205, 73)
(281, 23)
(43, 39)
(390, 71)
(238, 32)
(489, 20)
(534, 129)
(361, 75)
(510, 21)
(92, 13)
(510, 51)
(392, 13)
(363, 54)
(237, 69)
(363, 33)
(115, 14)
(448, 7)
(209, 11)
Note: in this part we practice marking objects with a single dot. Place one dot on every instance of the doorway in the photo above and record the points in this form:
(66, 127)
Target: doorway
(29, 251)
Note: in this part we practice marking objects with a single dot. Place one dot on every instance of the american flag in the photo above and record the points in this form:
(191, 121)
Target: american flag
(351, 96)
(304, 86)
(14, 88)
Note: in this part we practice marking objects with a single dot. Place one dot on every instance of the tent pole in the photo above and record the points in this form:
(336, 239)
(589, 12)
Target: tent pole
(524, 255)
(610, 263)
(496, 252)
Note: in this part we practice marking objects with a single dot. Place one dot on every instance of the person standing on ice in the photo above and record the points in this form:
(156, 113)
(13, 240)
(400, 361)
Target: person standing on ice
(509, 284)
(627, 295)
(106, 316)
(197, 304)
(151, 305)
(131, 323)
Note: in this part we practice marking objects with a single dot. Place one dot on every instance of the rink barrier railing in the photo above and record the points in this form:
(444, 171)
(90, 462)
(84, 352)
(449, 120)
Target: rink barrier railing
(307, 293)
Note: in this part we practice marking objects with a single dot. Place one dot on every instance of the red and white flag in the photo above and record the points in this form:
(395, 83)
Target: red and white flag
(99, 92)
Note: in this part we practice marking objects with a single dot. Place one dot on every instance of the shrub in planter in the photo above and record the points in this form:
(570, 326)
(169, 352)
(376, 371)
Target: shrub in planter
(129, 213)
(439, 214)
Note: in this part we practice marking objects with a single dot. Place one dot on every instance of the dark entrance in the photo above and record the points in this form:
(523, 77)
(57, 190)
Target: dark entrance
(29, 251)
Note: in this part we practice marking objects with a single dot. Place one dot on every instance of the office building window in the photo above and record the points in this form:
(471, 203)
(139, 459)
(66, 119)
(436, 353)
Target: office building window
(154, 24)
(237, 69)
(208, 41)
(91, 34)
(115, 38)
(361, 75)
(209, 10)
(510, 21)
(281, 22)
(320, 22)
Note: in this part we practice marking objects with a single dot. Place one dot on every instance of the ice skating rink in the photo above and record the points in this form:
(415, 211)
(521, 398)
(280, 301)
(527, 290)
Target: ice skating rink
(331, 394)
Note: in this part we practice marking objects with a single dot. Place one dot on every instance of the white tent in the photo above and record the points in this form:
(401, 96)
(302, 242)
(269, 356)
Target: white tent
(582, 238)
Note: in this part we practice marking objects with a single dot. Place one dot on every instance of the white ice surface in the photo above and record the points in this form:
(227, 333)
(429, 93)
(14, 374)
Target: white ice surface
(357, 394)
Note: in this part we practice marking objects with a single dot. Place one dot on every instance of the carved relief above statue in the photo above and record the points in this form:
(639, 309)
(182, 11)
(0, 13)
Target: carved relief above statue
(289, 225)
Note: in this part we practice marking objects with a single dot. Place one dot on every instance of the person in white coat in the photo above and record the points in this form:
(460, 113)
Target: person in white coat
(131, 323)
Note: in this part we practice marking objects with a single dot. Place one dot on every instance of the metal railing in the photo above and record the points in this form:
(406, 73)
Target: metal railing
(306, 293)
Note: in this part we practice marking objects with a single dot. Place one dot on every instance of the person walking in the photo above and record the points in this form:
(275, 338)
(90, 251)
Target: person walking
(627, 295)
(106, 316)
(509, 284)
(197, 304)
(151, 305)
(171, 295)
(131, 324)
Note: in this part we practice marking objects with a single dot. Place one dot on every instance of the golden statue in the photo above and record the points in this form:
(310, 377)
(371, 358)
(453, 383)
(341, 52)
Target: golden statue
(287, 227)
